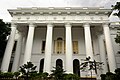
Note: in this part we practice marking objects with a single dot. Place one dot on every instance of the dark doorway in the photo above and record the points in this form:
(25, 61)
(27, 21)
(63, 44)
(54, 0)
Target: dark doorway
(76, 67)
(59, 63)
(41, 65)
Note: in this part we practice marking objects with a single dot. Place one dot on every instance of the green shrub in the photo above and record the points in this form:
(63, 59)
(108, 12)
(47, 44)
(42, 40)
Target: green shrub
(1, 74)
(71, 77)
(8, 75)
(110, 76)
(16, 74)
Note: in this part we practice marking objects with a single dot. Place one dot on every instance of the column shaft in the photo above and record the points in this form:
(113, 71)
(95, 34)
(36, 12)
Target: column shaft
(69, 49)
(88, 41)
(17, 54)
(110, 53)
(8, 50)
(103, 55)
(48, 49)
(29, 43)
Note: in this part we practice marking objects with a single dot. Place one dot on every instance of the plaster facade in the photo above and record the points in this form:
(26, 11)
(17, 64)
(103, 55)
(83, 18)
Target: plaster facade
(89, 27)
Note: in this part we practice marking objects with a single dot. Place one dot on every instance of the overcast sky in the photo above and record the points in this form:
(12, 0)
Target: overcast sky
(13, 4)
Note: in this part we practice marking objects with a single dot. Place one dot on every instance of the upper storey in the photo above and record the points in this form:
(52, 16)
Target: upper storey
(60, 15)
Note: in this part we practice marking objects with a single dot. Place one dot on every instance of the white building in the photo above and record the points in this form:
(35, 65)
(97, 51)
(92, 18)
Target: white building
(62, 36)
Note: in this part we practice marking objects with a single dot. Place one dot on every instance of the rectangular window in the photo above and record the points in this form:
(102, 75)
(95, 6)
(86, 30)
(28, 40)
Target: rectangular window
(43, 47)
(59, 46)
(75, 47)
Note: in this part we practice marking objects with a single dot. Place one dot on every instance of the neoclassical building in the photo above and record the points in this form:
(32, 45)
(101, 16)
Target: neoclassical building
(61, 36)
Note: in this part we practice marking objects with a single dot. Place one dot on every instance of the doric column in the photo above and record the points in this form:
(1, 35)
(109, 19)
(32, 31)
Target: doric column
(103, 54)
(48, 48)
(69, 49)
(110, 53)
(9, 47)
(17, 54)
(88, 41)
(29, 43)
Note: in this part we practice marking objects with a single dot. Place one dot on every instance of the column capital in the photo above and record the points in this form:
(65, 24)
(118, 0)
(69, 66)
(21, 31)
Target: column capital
(107, 23)
(86, 24)
(13, 24)
(32, 24)
(49, 24)
(68, 24)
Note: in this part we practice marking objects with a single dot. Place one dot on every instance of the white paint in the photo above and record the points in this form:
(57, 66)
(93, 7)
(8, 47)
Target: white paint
(29, 42)
(59, 20)
(48, 48)
(110, 53)
(103, 55)
(8, 50)
(69, 49)
(88, 41)
(18, 51)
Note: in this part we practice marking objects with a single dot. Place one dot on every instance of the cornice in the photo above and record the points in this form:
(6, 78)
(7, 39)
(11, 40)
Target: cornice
(60, 10)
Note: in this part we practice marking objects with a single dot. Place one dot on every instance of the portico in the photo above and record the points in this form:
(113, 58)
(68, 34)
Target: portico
(62, 34)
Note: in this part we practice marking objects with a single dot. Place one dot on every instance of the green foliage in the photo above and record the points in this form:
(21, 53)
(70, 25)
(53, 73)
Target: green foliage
(8, 75)
(39, 76)
(103, 76)
(1, 74)
(27, 69)
(111, 76)
(117, 75)
(58, 73)
(16, 74)
(89, 65)
(117, 39)
(71, 77)
(45, 75)
(117, 7)
(4, 32)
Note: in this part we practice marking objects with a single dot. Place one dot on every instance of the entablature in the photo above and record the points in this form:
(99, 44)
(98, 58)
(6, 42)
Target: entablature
(60, 11)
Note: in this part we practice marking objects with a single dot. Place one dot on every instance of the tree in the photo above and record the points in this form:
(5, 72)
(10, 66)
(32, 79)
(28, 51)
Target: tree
(111, 76)
(4, 32)
(58, 73)
(27, 69)
(117, 39)
(117, 7)
(89, 65)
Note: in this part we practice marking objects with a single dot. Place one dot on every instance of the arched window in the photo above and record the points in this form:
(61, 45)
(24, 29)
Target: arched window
(76, 67)
(41, 65)
(59, 63)
(59, 38)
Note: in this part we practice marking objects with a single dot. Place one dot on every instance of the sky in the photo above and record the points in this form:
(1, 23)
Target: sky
(13, 4)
